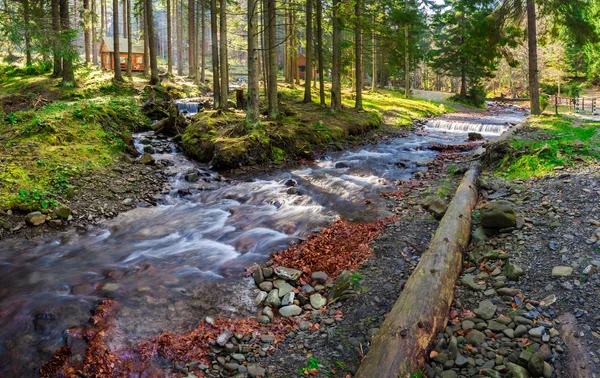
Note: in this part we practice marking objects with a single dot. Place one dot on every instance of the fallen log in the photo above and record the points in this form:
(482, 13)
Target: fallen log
(580, 364)
(400, 347)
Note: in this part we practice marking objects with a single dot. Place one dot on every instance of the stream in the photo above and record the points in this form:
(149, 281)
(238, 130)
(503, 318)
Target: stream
(170, 265)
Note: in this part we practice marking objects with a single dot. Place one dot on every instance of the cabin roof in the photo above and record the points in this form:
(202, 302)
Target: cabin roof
(109, 43)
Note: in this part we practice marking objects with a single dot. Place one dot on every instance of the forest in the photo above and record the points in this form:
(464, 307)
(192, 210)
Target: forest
(287, 188)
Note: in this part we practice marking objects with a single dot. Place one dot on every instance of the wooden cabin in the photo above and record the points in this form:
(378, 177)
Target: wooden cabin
(107, 51)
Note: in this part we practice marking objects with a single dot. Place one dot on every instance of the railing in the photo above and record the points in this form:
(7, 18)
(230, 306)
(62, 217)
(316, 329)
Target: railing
(576, 104)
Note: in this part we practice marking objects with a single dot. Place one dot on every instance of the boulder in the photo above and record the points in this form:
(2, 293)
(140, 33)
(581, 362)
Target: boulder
(273, 298)
(289, 311)
(319, 277)
(474, 137)
(513, 271)
(317, 301)
(436, 205)
(517, 371)
(62, 212)
(35, 218)
(498, 215)
(147, 159)
(341, 284)
(287, 273)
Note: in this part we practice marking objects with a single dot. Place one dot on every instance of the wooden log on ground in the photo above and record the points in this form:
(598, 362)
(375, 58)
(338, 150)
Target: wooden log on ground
(580, 364)
(420, 313)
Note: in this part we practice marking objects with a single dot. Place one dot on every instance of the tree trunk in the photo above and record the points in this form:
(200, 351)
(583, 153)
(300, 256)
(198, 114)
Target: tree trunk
(534, 79)
(463, 80)
(124, 4)
(86, 30)
(169, 38)
(93, 22)
(179, 19)
(374, 68)
(273, 108)
(117, 54)
(224, 71)
(263, 41)
(129, 40)
(27, 33)
(336, 85)
(203, 43)
(68, 72)
(215, 54)
(154, 80)
(102, 18)
(406, 57)
(579, 364)
(320, 52)
(191, 39)
(420, 313)
(146, 47)
(252, 114)
(56, 48)
(309, 52)
(358, 43)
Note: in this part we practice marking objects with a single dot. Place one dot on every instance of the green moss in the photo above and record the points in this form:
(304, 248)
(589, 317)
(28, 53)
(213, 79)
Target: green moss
(552, 142)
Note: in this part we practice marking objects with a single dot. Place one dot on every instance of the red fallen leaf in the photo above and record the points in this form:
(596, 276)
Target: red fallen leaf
(433, 354)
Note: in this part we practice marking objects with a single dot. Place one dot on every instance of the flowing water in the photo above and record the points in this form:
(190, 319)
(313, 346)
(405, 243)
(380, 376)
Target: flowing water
(170, 265)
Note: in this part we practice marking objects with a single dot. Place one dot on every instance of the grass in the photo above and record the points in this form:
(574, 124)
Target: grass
(227, 141)
(553, 141)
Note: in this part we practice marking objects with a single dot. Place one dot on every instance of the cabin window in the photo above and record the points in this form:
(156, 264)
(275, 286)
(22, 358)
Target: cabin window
(123, 59)
(140, 60)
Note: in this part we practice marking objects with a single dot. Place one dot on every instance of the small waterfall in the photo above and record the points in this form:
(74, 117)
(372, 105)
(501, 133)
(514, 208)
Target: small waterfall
(188, 107)
(466, 127)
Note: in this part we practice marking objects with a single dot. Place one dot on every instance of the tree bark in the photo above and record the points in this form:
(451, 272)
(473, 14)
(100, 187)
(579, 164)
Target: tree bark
(309, 52)
(374, 67)
(399, 348)
(273, 105)
(154, 80)
(463, 80)
(263, 41)
(67, 65)
(191, 39)
(215, 54)
(406, 57)
(102, 18)
(534, 79)
(169, 38)
(223, 60)
(320, 52)
(358, 43)
(56, 48)
(179, 19)
(129, 40)
(336, 85)
(253, 111)
(203, 43)
(117, 54)
(580, 364)
(86, 30)
(146, 42)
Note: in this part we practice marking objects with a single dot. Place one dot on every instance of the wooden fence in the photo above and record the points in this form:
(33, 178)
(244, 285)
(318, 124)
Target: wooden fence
(576, 104)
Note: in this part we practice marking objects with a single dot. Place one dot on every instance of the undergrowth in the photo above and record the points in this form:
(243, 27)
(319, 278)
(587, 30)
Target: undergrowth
(550, 142)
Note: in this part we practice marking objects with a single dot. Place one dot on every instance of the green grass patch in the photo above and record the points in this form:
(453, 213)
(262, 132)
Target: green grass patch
(552, 141)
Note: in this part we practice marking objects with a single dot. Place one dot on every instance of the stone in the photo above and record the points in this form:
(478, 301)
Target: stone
(475, 338)
(258, 276)
(513, 271)
(498, 215)
(449, 374)
(263, 319)
(441, 358)
(460, 361)
(147, 159)
(267, 272)
(288, 299)
(266, 286)
(269, 339)
(536, 363)
(549, 300)
(508, 291)
(341, 284)
(510, 333)
(284, 289)
(537, 331)
(435, 205)
(516, 371)
(231, 366)
(62, 212)
(224, 337)
(35, 218)
(496, 326)
(319, 277)
(562, 271)
(128, 202)
(548, 370)
(317, 301)
(273, 298)
(287, 273)
(486, 310)
(474, 137)
(260, 298)
(469, 281)
(289, 311)
(453, 347)
(255, 370)
(308, 289)
(467, 325)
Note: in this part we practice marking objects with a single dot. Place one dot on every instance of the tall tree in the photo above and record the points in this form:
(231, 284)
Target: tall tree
(320, 52)
(129, 40)
(68, 53)
(191, 39)
(203, 41)
(57, 68)
(534, 78)
(154, 79)
(215, 54)
(116, 54)
(336, 84)
(169, 38)
(27, 31)
(146, 42)
(223, 55)
(179, 7)
(124, 5)
(273, 104)
(86, 31)
(94, 25)
(406, 56)
(358, 54)
(309, 51)
(252, 114)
